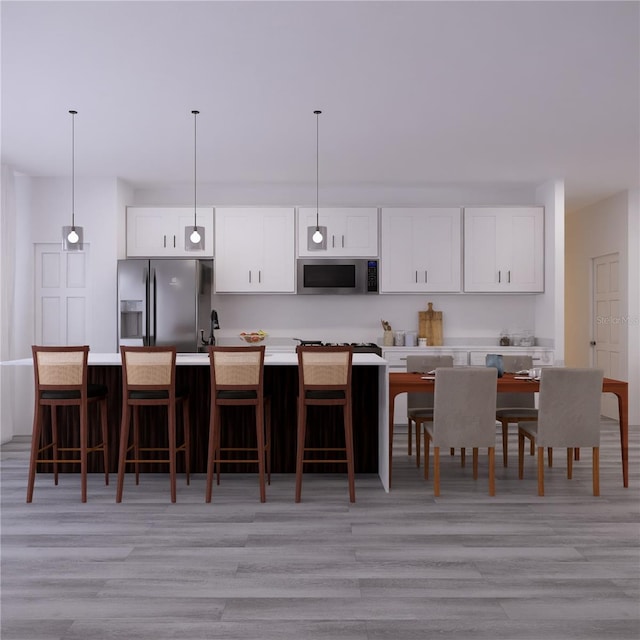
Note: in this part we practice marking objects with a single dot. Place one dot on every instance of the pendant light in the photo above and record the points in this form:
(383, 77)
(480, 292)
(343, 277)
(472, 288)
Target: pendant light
(317, 236)
(194, 235)
(72, 236)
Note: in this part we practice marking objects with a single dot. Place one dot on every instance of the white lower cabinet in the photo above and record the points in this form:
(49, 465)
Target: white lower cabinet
(541, 357)
(255, 250)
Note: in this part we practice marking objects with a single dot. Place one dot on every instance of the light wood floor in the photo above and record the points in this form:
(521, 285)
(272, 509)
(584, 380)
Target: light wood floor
(395, 566)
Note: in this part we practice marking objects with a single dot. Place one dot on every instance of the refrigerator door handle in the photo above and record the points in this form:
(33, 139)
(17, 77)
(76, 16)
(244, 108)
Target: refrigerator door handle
(153, 308)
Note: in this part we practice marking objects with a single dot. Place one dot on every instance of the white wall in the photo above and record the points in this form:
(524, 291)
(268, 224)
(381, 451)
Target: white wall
(609, 226)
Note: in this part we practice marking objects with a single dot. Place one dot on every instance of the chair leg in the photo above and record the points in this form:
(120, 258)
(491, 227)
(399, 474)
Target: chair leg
(171, 410)
(124, 445)
(475, 463)
(540, 471)
(302, 424)
(105, 439)
(348, 433)
(36, 436)
(452, 452)
(267, 445)
(576, 453)
(427, 443)
(260, 443)
(84, 411)
(596, 471)
(550, 456)
(521, 455)
(463, 457)
(54, 442)
(186, 427)
(419, 426)
(436, 471)
(492, 471)
(410, 436)
(505, 442)
(569, 463)
(211, 453)
(136, 441)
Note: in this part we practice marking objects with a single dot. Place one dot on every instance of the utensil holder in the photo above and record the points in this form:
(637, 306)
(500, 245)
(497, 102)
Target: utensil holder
(387, 339)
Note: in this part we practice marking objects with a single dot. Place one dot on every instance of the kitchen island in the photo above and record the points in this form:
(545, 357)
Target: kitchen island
(370, 398)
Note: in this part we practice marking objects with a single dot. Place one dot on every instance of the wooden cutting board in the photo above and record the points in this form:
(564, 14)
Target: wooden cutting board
(430, 326)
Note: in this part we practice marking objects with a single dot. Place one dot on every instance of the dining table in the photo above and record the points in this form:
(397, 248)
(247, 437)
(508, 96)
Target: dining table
(410, 382)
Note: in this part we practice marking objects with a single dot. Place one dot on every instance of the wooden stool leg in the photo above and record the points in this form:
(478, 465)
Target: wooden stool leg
(427, 444)
(83, 449)
(136, 441)
(171, 409)
(463, 457)
(419, 426)
(267, 445)
(260, 438)
(348, 433)
(186, 428)
(521, 455)
(36, 436)
(302, 429)
(124, 445)
(54, 441)
(211, 453)
(475, 463)
(569, 463)
(410, 436)
(596, 471)
(105, 438)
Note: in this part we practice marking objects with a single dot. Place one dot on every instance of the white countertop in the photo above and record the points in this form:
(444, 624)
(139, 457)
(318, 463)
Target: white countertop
(202, 359)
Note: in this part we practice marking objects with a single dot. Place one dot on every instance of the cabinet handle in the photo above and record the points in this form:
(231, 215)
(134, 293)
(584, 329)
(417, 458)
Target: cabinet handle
(416, 276)
(249, 276)
(499, 277)
(164, 241)
(259, 276)
(426, 278)
(509, 276)
(333, 242)
(343, 242)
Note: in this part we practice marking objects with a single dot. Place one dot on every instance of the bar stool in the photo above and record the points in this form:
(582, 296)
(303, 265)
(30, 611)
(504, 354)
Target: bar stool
(237, 379)
(149, 379)
(61, 380)
(324, 375)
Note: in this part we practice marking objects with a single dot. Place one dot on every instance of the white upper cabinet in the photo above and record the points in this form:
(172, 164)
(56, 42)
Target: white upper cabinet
(255, 250)
(504, 249)
(351, 231)
(421, 250)
(164, 232)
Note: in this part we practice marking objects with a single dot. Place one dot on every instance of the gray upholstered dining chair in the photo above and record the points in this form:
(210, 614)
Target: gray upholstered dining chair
(420, 405)
(568, 416)
(469, 423)
(514, 407)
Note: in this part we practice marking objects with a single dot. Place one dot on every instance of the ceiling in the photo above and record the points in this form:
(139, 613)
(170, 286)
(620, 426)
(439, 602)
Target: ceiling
(412, 93)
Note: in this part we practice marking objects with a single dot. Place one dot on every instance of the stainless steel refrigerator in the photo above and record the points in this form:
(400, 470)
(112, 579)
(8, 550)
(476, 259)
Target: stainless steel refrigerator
(164, 302)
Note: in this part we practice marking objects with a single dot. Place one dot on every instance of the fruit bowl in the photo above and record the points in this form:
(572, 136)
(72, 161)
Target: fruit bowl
(253, 337)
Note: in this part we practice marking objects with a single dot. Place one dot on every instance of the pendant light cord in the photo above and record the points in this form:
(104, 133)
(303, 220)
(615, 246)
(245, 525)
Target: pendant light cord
(195, 166)
(73, 169)
(317, 167)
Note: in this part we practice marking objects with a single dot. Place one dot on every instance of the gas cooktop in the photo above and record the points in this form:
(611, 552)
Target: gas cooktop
(358, 347)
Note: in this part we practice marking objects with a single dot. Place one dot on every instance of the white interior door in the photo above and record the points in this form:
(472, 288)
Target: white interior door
(606, 324)
(62, 297)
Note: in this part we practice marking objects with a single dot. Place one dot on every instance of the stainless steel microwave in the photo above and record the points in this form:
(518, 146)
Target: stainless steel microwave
(325, 276)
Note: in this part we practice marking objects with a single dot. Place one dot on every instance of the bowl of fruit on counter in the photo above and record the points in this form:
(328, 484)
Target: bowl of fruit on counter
(253, 337)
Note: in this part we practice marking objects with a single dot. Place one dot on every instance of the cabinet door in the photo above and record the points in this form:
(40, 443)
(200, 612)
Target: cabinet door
(254, 250)
(162, 231)
(420, 250)
(351, 231)
(504, 249)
